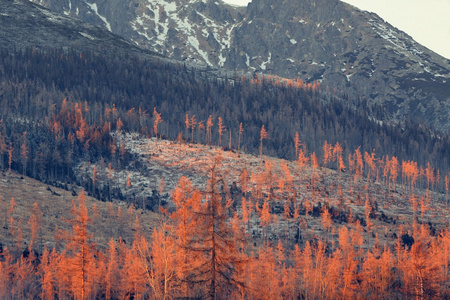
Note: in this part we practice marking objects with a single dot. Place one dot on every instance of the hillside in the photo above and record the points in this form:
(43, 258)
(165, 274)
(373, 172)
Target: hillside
(109, 72)
(128, 175)
(272, 210)
(328, 41)
(89, 89)
(55, 205)
(280, 182)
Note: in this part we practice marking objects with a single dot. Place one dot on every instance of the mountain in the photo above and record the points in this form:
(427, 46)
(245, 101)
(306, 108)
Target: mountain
(24, 24)
(128, 82)
(322, 40)
(359, 204)
(183, 30)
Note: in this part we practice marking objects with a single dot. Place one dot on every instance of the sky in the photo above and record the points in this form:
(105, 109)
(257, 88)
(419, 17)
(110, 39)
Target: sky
(427, 21)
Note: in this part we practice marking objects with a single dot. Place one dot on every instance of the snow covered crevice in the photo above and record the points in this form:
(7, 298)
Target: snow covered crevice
(94, 8)
(87, 35)
(67, 13)
(268, 61)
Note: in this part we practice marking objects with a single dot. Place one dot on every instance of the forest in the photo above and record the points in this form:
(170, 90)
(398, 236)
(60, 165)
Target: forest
(252, 240)
(247, 235)
(69, 89)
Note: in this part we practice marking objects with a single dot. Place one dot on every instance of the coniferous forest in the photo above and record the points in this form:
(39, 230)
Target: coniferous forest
(245, 237)
(73, 89)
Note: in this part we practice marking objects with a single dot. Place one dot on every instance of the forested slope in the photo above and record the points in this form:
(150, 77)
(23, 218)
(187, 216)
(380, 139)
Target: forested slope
(263, 187)
(56, 101)
(242, 226)
(255, 225)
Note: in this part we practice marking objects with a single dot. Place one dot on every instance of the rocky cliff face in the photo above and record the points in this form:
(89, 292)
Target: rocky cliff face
(315, 40)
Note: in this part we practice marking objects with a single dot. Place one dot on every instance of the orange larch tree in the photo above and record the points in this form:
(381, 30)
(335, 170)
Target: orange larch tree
(200, 128)
(133, 274)
(371, 163)
(327, 153)
(340, 166)
(47, 273)
(429, 173)
(335, 274)
(367, 214)
(315, 166)
(192, 125)
(219, 245)
(297, 143)
(24, 153)
(209, 125)
(265, 217)
(156, 121)
(349, 264)
(386, 168)
(359, 164)
(142, 118)
(35, 223)
(318, 280)
(79, 248)
(302, 160)
(112, 271)
(241, 131)
(24, 283)
(187, 199)
(263, 281)
(243, 181)
(162, 270)
(6, 272)
(262, 136)
(376, 275)
(394, 170)
(119, 125)
(220, 129)
(206, 246)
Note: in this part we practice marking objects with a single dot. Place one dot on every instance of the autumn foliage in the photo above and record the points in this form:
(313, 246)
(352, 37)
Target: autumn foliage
(206, 247)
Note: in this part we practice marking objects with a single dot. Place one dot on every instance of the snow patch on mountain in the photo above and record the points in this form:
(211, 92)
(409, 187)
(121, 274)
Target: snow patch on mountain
(87, 35)
(264, 64)
(160, 23)
(67, 12)
(94, 8)
(395, 38)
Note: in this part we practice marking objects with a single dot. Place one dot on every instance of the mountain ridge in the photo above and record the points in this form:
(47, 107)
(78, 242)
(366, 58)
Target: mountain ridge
(328, 41)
